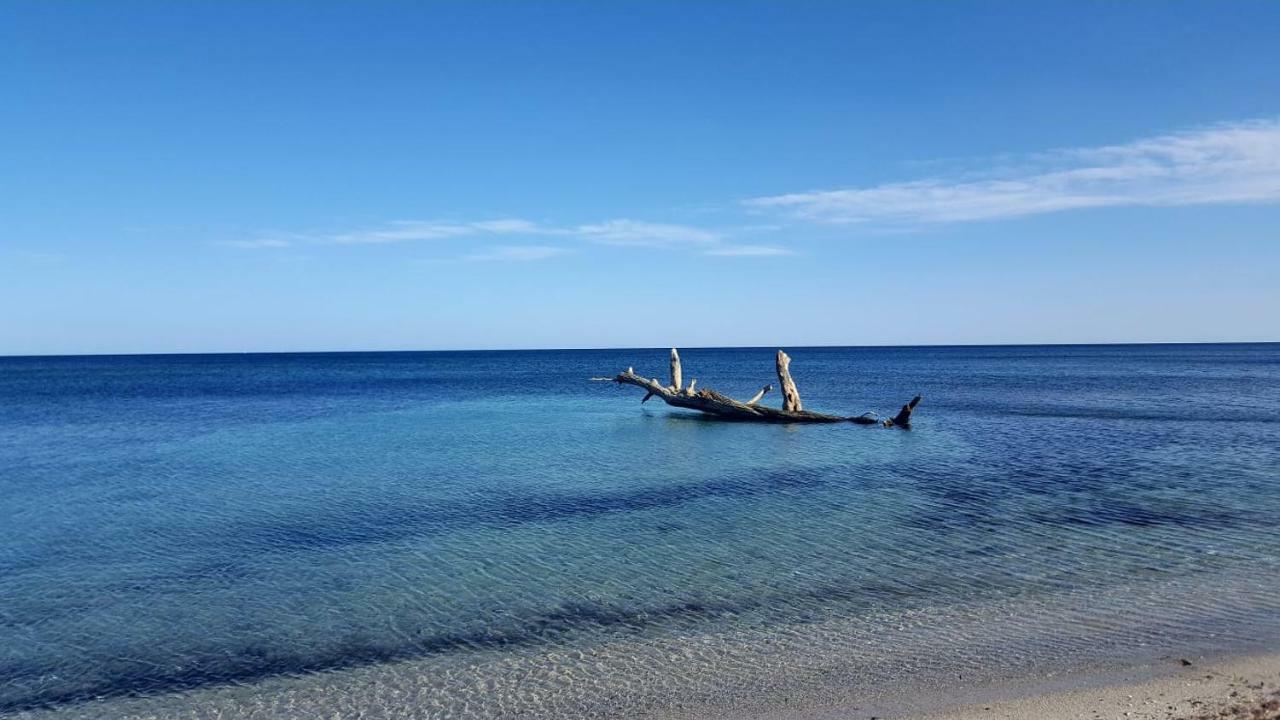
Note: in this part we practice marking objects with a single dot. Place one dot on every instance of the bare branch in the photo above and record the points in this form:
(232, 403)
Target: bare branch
(763, 391)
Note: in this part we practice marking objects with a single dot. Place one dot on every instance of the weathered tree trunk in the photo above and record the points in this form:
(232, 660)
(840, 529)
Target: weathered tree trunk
(713, 403)
(790, 395)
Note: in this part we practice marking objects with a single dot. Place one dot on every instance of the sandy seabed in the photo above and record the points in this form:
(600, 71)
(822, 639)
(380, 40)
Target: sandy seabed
(1243, 688)
(1239, 688)
(1050, 657)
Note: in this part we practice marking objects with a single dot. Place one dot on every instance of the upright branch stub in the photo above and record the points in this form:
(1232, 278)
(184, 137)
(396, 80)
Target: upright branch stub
(675, 370)
(903, 418)
(790, 395)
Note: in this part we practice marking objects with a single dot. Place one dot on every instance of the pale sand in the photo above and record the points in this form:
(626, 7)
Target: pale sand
(1051, 659)
(1241, 688)
(1238, 688)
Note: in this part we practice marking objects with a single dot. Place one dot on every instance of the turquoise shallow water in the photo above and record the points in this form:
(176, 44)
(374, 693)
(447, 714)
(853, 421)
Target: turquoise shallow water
(178, 523)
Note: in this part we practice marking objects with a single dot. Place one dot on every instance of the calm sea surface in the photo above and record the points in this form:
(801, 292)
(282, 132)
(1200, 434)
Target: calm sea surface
(489, 534)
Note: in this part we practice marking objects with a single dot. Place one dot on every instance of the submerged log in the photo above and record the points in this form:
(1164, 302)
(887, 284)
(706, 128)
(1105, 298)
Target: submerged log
(713, 403)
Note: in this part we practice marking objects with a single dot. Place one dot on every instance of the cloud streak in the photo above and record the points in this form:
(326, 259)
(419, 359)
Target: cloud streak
(417, 230)
(616, 232)
(1222, 164)
(645, 234)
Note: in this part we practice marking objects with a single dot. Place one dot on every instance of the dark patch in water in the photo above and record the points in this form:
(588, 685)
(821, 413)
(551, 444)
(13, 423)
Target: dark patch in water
(1117, 513)
(385, 524)
(390, 523)
(1203, 416)
(1068, 493)
(254, 662)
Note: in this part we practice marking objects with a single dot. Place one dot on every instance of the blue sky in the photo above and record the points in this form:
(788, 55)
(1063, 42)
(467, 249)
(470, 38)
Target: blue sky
(240, 176)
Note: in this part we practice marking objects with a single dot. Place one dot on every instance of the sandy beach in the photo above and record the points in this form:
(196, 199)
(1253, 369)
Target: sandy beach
(1178, 689)
(1236, 688)
(1051, 658)
(1239, 688)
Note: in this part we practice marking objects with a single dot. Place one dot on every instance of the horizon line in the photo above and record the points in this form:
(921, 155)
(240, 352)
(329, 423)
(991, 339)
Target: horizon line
(637, 347)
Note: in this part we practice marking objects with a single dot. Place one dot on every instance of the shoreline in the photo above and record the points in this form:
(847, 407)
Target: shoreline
(1021, 656)
(1243, 687)
(927, 664)
(1225, 687)
(1222, 685)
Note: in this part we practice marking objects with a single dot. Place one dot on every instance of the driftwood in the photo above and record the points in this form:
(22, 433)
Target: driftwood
(790, 393)
(713, 403)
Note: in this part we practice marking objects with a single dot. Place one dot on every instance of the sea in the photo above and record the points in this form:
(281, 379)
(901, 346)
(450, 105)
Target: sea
(495, 535)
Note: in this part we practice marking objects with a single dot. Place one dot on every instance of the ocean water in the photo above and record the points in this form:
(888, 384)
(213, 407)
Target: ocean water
(490, 534)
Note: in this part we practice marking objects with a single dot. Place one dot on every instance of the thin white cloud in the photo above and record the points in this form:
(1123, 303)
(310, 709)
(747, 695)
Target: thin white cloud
(1227, 163)
(398, 232)
(647, 234)
(610, 232)
(748, 251)
(404, 231)
(519, 253)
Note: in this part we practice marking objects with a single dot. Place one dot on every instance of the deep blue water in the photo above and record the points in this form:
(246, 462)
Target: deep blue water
(170, 522)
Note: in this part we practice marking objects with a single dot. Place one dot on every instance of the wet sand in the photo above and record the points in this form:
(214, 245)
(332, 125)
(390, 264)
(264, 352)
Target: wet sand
(1241, 688)
(1245, 688)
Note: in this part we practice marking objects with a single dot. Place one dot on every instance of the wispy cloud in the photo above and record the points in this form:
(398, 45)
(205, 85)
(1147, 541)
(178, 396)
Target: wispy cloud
(1227, 163)
(399, 231)
(637, 232)
(748, 251)
(518, 253)
(413, 230)
(620, 232)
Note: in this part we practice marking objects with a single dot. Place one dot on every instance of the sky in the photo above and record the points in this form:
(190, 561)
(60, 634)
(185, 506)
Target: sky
(288, 176)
